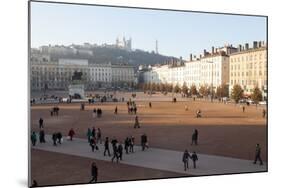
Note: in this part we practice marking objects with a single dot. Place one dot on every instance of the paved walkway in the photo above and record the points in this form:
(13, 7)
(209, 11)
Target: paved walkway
(155, 158)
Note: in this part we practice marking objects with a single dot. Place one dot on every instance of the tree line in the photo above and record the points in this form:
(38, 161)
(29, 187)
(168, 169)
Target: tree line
(221, 91)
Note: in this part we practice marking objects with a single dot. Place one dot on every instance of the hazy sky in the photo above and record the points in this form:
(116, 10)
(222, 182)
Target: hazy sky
(178, 33)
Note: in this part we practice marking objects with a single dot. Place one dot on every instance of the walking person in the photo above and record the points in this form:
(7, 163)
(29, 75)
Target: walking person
(263, 113)
(94, 132)
(185, 159)
(106, 147)
(99, 136)
(258, 155)
(127, 145)
(93, 144)
(194, 158)
(243, 108)
(41, 123)
(42, 136)
(137, 124)
(132, 142)
(54, 138)
(94, 172)
(144, 143)
(116, 110)
(195, 137)
(120, 151)
(33, 138)
(59, 136)
(89, 135)
(198, 114)
(71, 133)
(115, 153)
(150, 105)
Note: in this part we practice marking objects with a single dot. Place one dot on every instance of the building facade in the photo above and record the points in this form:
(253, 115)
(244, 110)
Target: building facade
(210, 69)
(57, 75)
(248, 68)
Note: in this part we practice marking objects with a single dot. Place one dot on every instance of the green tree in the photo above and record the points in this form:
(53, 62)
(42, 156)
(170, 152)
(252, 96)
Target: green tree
(169, 87)
(193, 90)
(222, 91)
(237, 93)
(162, 87)
(201, 90)
(150, 86)
(225, 90)
(145, 87)
(157, 87)
(153, 86)
(256, 95)
(184, 89)
(177, 89)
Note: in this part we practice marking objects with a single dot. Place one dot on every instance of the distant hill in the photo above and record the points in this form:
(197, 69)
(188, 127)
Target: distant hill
(137, 57)
(117, 55)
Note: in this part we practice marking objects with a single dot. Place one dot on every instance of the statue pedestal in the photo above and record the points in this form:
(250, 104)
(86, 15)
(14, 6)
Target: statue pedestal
(77, 89)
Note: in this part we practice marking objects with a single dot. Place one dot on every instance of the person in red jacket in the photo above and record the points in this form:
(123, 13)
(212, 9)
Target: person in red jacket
(71, 133)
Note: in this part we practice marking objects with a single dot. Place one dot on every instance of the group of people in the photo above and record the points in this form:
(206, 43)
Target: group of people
(55, 111)
(97, 112)
(132, 107)
(41, 133)
(94, 137)
(263, 111)
(117, 147)
(57, 138)
(186, 156)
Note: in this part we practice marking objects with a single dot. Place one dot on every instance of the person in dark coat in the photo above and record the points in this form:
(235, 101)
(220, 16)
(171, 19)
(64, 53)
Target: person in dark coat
(42, 136)
(94, 172)
(33, 138)
(150, 105)
(82, 106)
(243, 108)
(89, 134)
(132, 143)
(116, 110)
(71, 133)
(115, 153)
(194, 158)
(263, 113)
(59, 136)
(54, 138)
(144, 142)
(120, 151)
(127, 145)
(185, 159)
(137, 124)
(41, 123)
(106, 147)
(94, 132)
(93, 144)
(194, 137)
(258, 155)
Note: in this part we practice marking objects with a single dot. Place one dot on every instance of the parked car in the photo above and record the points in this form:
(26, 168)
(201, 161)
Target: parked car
(262, 102)
(242, 101)
(250, 101)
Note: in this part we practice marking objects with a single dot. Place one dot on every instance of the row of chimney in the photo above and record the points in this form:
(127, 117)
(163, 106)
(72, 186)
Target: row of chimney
(256, 44)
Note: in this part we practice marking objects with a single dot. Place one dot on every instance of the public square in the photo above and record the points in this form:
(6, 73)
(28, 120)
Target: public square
(226, 133)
